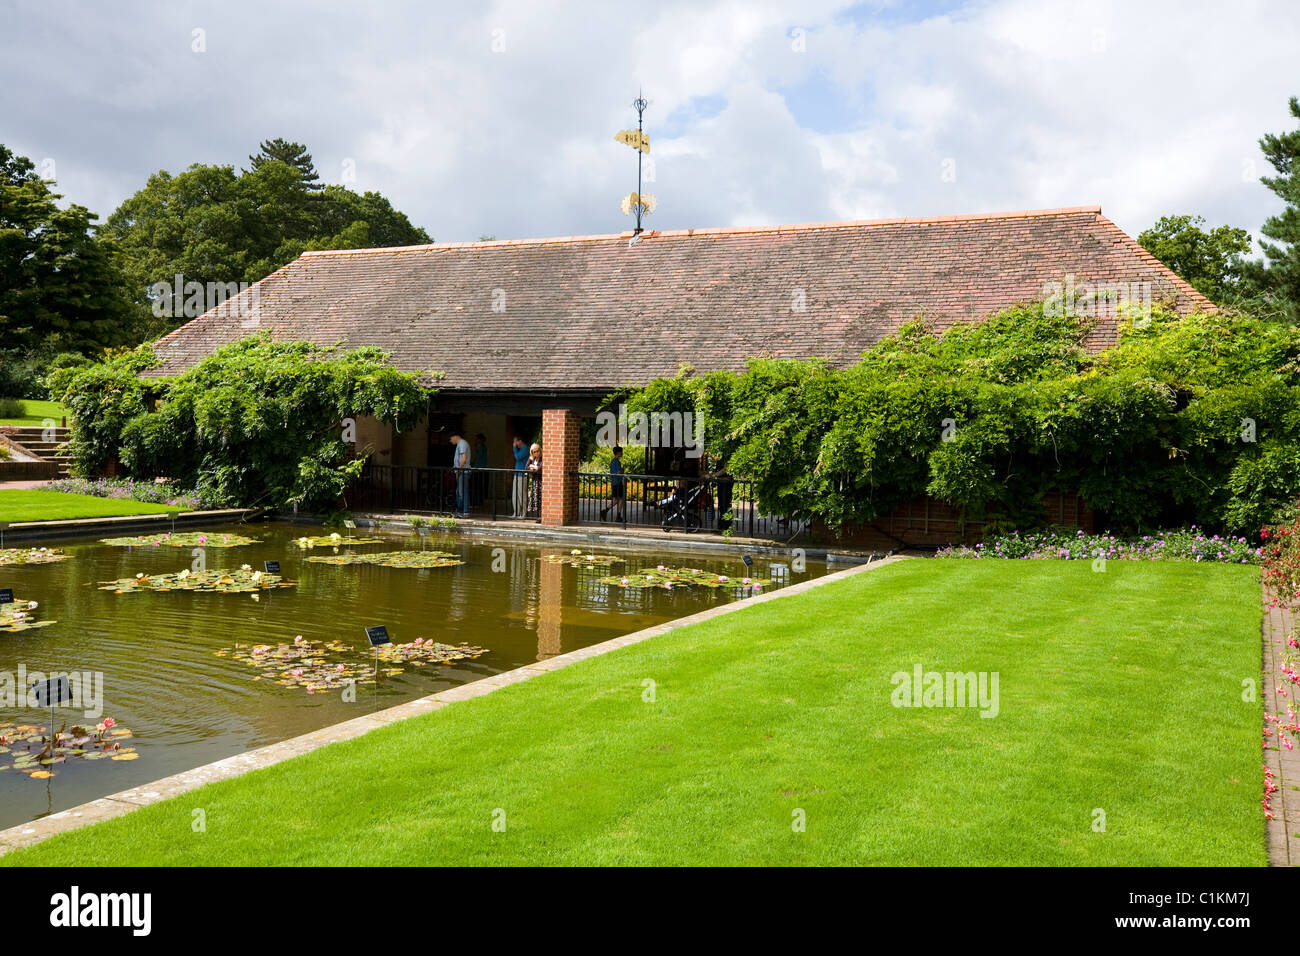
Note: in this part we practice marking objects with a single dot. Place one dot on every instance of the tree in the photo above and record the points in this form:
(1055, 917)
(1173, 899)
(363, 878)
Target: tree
(291, 154)
(1282, 276)
(213, 224)
(60, 288)
(1211, 261)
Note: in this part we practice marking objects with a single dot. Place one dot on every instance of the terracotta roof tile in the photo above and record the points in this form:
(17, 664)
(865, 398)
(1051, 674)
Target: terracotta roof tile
(593, 313)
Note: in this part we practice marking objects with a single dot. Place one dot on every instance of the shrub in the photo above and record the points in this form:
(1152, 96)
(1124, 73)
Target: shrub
(1188, 420)
(257, 422)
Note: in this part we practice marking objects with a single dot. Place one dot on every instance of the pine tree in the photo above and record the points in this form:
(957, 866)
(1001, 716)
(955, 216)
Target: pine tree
(1282, 277)
(291, 154)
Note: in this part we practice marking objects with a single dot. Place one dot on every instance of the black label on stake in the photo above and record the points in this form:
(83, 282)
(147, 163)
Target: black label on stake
(6, 595)
(272, 567)
(52, 692)
(378, 635)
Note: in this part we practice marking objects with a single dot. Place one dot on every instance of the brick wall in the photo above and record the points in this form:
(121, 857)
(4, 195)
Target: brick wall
(560, 449)
(927, 523)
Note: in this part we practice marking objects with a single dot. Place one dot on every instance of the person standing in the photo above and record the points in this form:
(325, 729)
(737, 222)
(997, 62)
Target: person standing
(617, 489)
(724, 486)
(460, 460)
(480, 461)
(535, 480)
(519, 493)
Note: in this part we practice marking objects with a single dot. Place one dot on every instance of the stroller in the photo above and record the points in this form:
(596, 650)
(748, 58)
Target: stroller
(682, 508)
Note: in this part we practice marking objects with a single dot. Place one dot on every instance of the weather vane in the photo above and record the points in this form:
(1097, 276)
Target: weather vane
(641, 203)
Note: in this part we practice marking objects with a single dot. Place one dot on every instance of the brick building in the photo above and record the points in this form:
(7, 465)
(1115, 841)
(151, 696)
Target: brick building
(527, 336)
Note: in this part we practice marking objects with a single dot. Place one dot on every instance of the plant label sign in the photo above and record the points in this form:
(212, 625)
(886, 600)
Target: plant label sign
(349, 523)
(378, 635)
(6, 595)
(53, 691)
(749, 562)
(272, 567)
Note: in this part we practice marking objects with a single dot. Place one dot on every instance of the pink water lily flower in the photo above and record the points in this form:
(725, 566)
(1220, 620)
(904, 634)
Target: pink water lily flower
(109, 722)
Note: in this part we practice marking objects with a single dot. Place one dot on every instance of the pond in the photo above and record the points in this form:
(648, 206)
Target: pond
(182, 669)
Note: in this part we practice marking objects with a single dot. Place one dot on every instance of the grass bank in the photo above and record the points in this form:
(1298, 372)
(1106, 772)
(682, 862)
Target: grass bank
(40, 505)
(35, 412)
(1119, 692)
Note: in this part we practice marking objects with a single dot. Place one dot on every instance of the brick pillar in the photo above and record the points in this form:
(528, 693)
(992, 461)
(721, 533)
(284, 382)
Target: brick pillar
(560, 444)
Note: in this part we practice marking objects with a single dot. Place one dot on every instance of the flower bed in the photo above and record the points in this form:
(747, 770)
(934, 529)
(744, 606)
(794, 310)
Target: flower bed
(148, 492)
(1281, 578)
(1187, 544)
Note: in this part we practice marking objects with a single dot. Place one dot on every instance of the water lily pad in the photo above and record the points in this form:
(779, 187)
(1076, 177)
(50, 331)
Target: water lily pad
(583, 559)
(181, 539)
(241, 581)
(393, 559)
(16, 556)
(30, 749)
(333, 541)
(669, 578)
(20, 615)
(324, 666)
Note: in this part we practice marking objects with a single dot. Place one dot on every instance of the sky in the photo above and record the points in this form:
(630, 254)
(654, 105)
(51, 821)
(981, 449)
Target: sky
(499, 118)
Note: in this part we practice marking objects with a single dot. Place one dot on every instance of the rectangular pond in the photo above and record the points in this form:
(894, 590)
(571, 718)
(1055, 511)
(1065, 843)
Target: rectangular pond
(182, 670)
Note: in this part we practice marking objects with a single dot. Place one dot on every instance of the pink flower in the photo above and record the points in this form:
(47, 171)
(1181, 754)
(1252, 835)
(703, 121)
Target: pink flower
(109, 722)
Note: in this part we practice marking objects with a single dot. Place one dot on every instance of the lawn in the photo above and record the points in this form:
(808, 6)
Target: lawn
(35, 412)
(39, 505)
(1118, 691)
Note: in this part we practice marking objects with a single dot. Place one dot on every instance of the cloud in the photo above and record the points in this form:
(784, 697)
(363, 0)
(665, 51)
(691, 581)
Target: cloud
(499, 119)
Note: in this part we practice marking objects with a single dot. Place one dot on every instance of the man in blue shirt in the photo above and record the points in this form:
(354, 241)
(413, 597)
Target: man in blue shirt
(617, 489)
(519, 493)
(460, 461)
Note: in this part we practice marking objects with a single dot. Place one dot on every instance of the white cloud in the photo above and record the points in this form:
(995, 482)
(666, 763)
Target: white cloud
(1147, 108)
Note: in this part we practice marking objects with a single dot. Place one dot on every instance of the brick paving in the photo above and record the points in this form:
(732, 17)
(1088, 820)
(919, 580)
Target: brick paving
(1284, 828)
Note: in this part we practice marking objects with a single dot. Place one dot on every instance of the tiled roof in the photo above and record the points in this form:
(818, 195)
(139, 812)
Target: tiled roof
(593, 312)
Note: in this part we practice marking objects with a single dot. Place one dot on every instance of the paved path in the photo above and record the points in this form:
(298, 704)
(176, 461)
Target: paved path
(1284, 828)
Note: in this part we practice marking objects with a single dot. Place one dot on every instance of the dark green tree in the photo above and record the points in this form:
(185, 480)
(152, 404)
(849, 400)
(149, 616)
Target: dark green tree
(1210, 260)
(61, 290)
(212, 224)
(291, 154)
(1282, 276)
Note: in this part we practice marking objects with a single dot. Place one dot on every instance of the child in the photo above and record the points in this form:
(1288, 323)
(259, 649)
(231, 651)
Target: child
(617, 490)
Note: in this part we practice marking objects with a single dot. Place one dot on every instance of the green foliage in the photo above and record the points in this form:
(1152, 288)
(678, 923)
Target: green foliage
(1210, 261)
(212, 224)
(257, 422)
(1189, 420)
(61, 288)
(1282, 276)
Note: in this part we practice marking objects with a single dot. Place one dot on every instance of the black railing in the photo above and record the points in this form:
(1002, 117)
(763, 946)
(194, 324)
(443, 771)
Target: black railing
(488, 492)
(712, 505)
(708, 505)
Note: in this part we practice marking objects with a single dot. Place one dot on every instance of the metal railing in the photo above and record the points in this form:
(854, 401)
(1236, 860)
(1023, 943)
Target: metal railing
(491, 492)
(710, 505)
